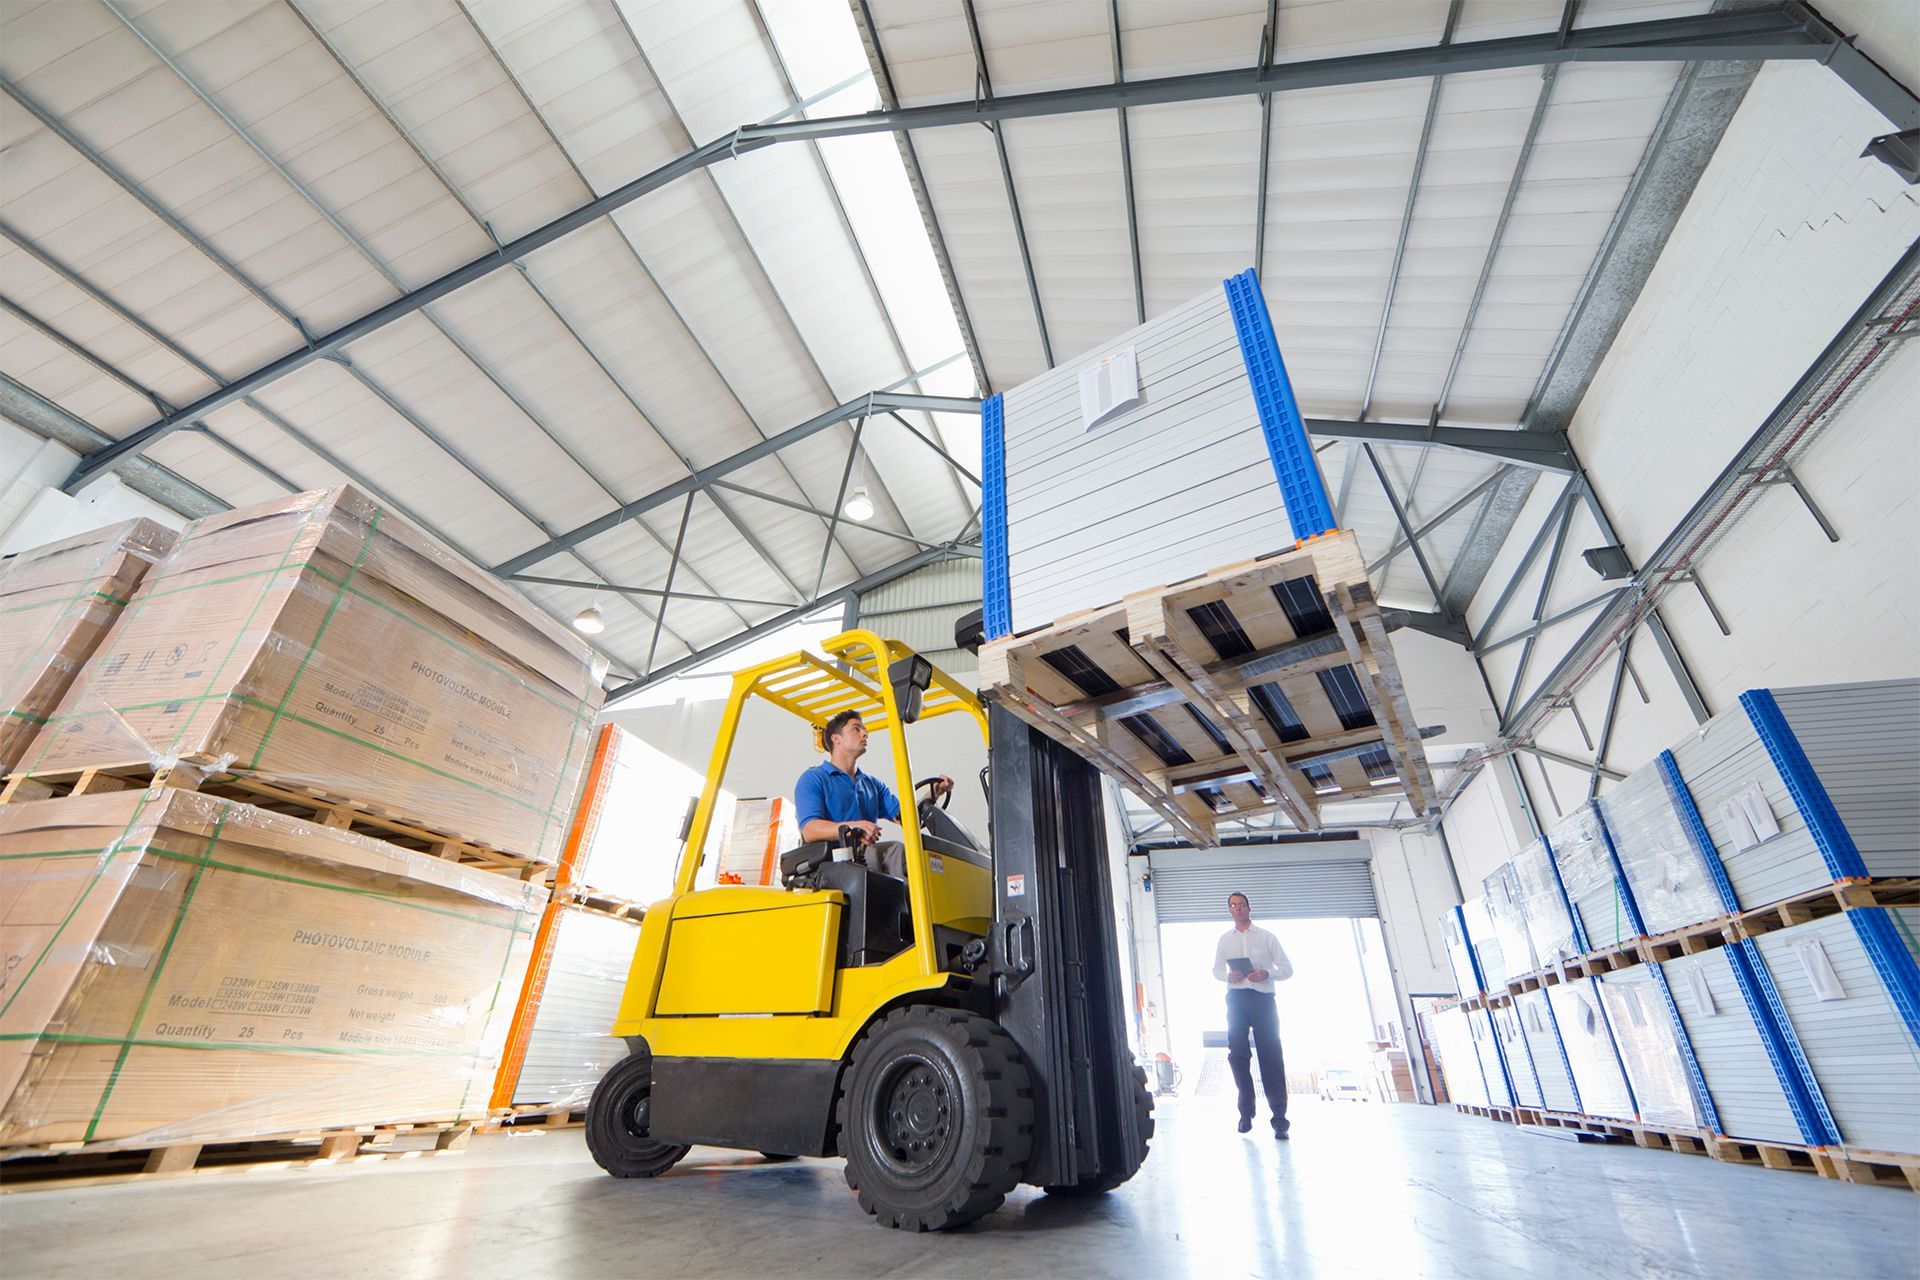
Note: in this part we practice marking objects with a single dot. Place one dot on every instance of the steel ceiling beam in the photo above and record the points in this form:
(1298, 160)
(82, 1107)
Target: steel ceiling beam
(1535, 450)
(1453, 509)
(1774, 32)
(33, 411)
(1269, 35)
(876, 401)
(747, 492)
(1126, 173)
(878, 578)
(1406, 215)
(985, 84)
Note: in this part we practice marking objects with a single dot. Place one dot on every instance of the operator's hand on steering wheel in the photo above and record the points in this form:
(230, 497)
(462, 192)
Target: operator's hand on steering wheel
(942, 785)
(939, 790)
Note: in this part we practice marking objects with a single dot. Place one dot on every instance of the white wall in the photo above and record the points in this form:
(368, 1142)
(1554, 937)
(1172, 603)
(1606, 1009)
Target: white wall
(1787, 233)
(1413, 887)
(34, 512)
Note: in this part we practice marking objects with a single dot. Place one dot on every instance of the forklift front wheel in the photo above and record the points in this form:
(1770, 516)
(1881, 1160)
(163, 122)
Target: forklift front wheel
(617, 1122)
(936, 1119)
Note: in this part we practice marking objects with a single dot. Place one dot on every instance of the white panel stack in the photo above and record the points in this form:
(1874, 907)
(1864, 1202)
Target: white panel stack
(1649, 1048)
(1586, 869)
(1506, 911)
(1492, 1070)
(1589, 1044)
(1667, 876)
(571, 1047)
(1458, 1058)
(1863, 1055)
(1728, 1045)
(1543, 1043)
(635, 841)
(1178, 485)
(1515, 1047)
(1549, 927)
(763, 829)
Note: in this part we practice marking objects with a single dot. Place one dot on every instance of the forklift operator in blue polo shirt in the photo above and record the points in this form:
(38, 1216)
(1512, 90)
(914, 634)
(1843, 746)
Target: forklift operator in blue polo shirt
(835, 794)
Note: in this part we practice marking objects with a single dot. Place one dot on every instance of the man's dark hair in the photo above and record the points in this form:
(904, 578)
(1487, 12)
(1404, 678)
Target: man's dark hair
(1243, 897)
(835, 725)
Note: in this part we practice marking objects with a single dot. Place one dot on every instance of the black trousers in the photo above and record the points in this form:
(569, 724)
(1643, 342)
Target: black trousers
(1254, 1012)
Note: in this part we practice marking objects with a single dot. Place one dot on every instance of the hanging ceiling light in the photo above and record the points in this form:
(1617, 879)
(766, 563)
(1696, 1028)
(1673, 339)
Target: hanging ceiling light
(589, 621)
(859, 505)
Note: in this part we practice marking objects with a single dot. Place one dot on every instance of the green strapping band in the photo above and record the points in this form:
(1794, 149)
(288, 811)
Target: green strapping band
(44, 644)
(153, 983)
(274, 1047)
(112, 851)
(366, 544)
(23, 715)
(84, 595)
(51, 853)
(244, 700)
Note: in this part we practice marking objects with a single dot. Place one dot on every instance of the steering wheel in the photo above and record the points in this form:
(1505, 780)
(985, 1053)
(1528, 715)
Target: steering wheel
(943, 801)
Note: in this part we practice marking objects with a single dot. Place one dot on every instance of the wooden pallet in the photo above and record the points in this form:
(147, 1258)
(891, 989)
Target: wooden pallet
(1688, 940)
(1767, 1155)
(1690, 1142)
(1140, 689)
(309, 803)
(1868, 1168)
(1827, 900)
(1503, 1114)
(1596, 1127)
(71, 1164)
(535, 1116)
(602, 904)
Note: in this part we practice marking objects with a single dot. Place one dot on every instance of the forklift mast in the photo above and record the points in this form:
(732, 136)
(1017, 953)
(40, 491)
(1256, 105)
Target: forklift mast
(1061, 998)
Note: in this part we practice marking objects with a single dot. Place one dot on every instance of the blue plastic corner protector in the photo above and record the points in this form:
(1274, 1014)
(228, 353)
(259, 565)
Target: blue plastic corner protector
(1302, 487)
(1803, 784)
(1560, 1042)
(1880, 935)
(996, 586)
(1702, 1096)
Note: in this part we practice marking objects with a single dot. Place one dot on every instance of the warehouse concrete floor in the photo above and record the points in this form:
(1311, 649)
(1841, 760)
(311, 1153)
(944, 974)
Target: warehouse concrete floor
(1362, 1190)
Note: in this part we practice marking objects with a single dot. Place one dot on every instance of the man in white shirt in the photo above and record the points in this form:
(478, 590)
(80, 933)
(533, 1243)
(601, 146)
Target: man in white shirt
(1249, 960)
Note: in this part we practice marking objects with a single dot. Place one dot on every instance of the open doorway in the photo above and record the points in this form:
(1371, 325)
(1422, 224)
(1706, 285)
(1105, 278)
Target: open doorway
(1340, 1025)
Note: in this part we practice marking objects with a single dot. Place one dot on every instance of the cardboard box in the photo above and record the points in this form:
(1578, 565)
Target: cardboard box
(326, 643)
(181, 968)
(56, 603)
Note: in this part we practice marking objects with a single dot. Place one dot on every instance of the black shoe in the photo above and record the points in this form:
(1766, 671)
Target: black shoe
(1282, 1135)
(1245, 1124)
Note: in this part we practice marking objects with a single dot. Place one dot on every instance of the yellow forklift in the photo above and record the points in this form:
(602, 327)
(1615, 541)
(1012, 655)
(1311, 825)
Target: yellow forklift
(951, 1036)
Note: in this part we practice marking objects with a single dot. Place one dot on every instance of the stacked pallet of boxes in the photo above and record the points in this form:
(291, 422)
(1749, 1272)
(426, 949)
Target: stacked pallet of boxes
(56, 604)
(274, 862)
(1738, 919)
(620, 854)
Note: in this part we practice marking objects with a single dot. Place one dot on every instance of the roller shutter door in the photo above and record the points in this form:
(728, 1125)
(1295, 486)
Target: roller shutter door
(1288, 881)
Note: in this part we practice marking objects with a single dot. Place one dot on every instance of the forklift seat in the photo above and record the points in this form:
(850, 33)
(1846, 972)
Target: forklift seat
(877, 923)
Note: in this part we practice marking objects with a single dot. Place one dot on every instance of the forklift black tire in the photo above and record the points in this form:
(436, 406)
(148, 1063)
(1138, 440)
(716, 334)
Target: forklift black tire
(1143, 1109)
(617, 1122)
(935, 1118)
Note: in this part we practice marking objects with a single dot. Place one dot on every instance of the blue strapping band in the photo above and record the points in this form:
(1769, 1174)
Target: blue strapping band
(1302, 487)
(1790, 1065)
(1702, 1096)
(996, 586)
(1803, 784)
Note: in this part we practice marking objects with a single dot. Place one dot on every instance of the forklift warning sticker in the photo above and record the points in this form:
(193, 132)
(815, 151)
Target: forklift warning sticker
(1016, 886)
(936, 864)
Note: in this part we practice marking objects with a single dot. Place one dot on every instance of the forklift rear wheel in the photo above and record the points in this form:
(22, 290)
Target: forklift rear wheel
(1143, 1110)
(617, 1120)
(936, 1119)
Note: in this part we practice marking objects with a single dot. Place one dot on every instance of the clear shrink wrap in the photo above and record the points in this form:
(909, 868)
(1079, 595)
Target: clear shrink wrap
(56, 604)
(322, 642)
(1506, 909)
(181, 968)
(1549, 927)
(1669, 879)
(1586, 869)
(1459, 1061)
(632, 817)
(1582, 1020)
(1643, 1028)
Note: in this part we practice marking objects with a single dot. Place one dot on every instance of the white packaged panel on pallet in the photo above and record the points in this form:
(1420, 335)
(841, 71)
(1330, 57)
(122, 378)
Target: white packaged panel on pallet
(1535, 1015)
(1520, 1068)
(1459, 953)
(1589, 1044)
(1180, 484)
(1862, 1055)
(1649, 1047)
(1487, 1046)
(634, 840)
(1862, 742)
(1506, 910)
(1728, 1046)
(1458, 1059)
(1549, 927)
(1586, 869)
(571, 1047)
(1486, 943)
(1665, 871)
